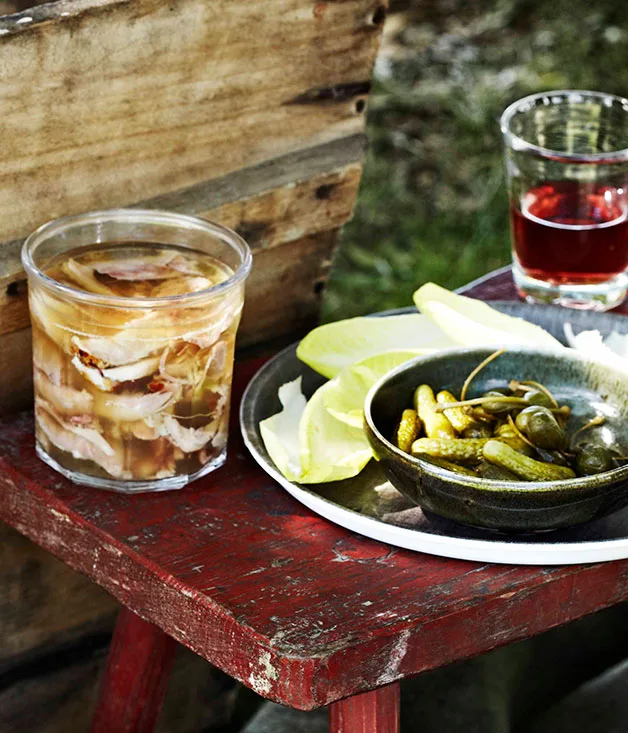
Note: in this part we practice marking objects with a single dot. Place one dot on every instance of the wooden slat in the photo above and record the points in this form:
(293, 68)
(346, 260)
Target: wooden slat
(271, 174)
(269, 218)
(106, 103)
(43, 603)
(283, 296)
(15, 370)
(285, 288)
(293, 211)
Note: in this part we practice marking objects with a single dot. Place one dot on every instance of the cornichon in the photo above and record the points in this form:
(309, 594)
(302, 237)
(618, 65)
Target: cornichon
(496, 473)
(450, 465)
(467, 450)
(408, 430)
(526, 468)
(507, 435)
(516, 432)
(435, 423)
(456, 415)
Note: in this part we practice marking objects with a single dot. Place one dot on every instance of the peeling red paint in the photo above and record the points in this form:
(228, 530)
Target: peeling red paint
(293, 606)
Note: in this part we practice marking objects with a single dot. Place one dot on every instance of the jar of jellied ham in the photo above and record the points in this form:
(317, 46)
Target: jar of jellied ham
(134, 316)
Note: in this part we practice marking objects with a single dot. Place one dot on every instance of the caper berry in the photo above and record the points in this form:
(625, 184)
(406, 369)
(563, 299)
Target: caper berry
(594, 458)
(536, 397)
(478, 430)
(541, 427)
(497, 406)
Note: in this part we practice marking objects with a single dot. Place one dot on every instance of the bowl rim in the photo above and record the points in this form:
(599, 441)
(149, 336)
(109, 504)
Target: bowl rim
(483, 484)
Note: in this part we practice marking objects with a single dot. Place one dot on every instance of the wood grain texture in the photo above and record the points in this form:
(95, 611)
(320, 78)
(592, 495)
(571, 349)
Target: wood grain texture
(16, 378)
(285, 288)
(298, 609)
(283, 296)
(300, 209)
(370, 712)
(136, 677)
(293, 211)
(43, 603)
(121, 101)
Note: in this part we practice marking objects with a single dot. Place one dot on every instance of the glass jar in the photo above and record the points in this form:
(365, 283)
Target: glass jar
(134, 315)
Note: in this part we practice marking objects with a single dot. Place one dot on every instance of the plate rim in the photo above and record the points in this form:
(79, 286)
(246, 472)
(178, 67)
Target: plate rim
(460, 548)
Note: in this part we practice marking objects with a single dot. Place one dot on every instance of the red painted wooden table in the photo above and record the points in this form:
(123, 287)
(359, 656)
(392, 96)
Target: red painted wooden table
(300, 610)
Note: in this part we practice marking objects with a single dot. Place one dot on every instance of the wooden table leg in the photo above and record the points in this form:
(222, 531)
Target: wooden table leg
(136, 677)
(371, 712)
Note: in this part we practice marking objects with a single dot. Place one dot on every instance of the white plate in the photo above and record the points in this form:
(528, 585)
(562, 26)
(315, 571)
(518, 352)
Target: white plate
(370, 506)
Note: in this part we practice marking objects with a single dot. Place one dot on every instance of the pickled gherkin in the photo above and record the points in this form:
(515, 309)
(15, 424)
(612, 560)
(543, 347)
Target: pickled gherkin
(526, 468)
(518, 432)
(464, 450)
(408, 430)
(459, 419)
(435, 423)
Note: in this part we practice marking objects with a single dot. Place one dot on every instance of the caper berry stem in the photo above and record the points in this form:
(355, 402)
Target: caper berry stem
(514, 385)
(593, 423)
(518, 432)
(477, 370)
(514, 401)
(541, 388)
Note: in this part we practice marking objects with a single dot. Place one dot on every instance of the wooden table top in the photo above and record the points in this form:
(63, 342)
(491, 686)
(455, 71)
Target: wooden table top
(300, 610)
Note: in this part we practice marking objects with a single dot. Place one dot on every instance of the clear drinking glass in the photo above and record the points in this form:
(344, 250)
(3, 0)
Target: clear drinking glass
(134, 316)
(567, 171)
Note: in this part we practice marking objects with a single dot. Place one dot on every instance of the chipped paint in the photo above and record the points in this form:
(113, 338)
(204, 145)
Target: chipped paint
(60, 516)
(262, 681)
(399, 651)
(96, 559)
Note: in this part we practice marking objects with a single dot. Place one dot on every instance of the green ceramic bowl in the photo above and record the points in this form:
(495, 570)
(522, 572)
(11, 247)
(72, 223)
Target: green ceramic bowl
(504, 505)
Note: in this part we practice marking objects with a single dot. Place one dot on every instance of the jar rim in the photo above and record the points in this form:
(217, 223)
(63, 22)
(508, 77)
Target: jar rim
(521, 145)
(152, 216)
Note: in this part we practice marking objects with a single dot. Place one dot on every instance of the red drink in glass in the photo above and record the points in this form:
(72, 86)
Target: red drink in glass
(568, 233)
(567, 175)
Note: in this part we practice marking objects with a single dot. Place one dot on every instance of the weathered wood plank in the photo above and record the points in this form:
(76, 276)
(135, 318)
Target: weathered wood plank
(292, 211)
(43, 603)
(16, 377)
(13, 291)
(246, 183)
(125, 101)
(299, 609)
(285, 288)
(283, 296)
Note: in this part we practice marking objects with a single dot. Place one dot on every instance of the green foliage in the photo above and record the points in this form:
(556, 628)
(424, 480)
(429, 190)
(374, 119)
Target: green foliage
(433, 204)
